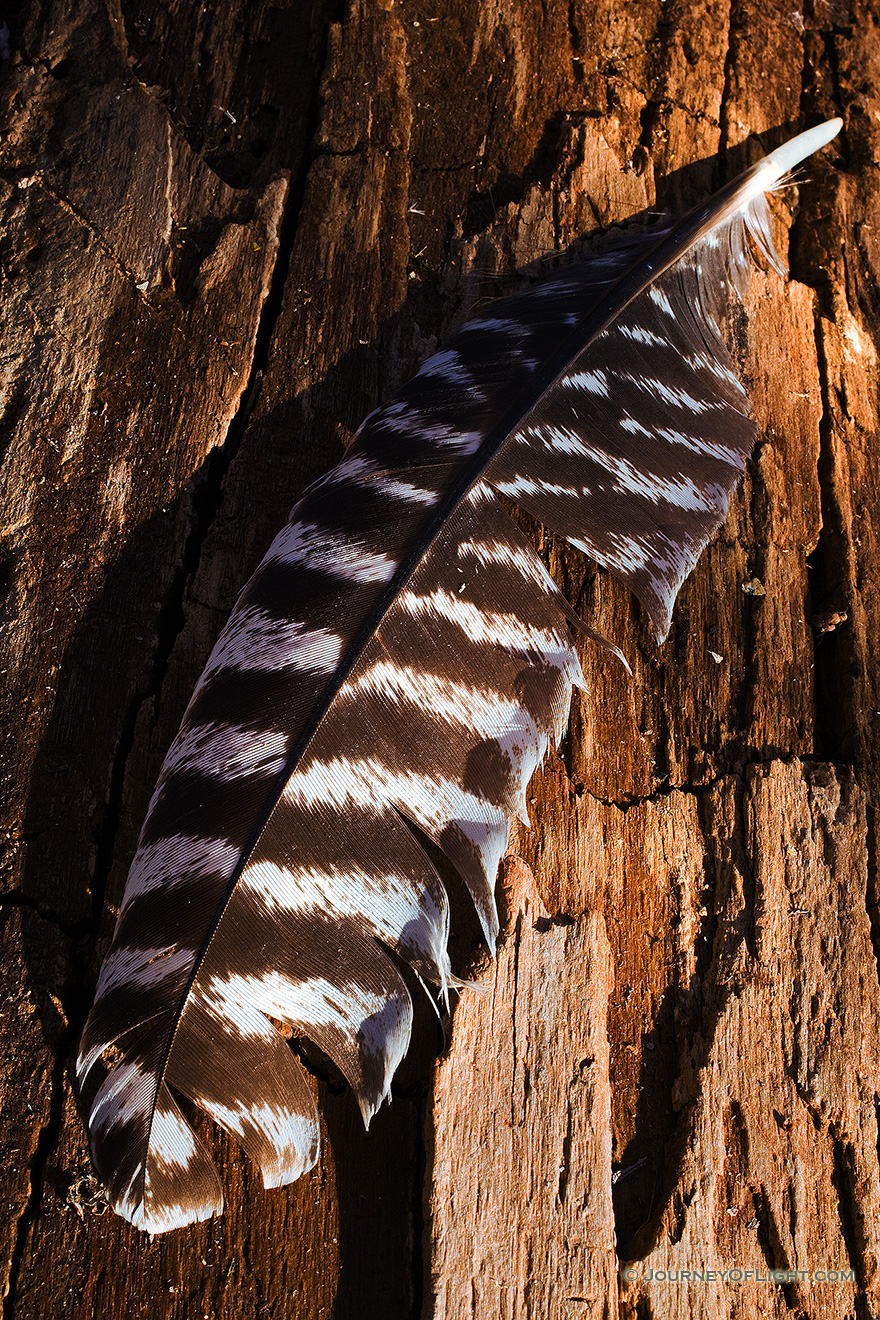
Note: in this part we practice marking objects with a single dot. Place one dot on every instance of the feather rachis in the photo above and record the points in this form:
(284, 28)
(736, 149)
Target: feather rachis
(275, 865)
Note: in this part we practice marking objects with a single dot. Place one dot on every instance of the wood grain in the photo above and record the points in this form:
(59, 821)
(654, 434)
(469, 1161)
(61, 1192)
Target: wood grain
(686, 1068)
(226, 233)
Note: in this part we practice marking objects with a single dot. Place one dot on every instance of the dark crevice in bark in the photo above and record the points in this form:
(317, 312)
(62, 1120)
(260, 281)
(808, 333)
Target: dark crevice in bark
(729, 76)
(746, 856)
(837, 735)
(770, 1242)
(827, 566)
(643, 150)
(697, 791)
(658, 73)
(821, 57)
(517, 942)
(827, 571)
(74, 930)
(575, 41)
(873, 886)
(644, 1179)
(842, 1178)
(565, 1163)
(421, 1282)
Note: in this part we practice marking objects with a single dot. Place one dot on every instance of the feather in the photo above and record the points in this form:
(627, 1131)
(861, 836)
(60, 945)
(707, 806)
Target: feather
(402, 657)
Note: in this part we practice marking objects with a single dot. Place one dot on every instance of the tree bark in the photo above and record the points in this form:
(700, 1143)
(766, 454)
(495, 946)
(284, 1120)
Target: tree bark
(226, 233)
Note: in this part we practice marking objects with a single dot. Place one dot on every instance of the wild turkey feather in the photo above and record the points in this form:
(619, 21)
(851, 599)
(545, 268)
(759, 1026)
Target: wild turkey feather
(402, 656)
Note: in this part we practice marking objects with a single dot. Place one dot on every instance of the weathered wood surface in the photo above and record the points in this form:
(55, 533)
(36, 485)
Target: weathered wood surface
(228, 232)
(690, 1057)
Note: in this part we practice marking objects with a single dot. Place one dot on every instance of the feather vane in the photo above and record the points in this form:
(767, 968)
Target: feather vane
(401, 655)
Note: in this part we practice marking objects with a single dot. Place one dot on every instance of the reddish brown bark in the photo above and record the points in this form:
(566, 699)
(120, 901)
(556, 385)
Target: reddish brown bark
(228, 232)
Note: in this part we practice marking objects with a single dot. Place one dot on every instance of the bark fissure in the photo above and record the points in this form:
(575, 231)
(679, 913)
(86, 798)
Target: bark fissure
(14, 899)
(729, 66)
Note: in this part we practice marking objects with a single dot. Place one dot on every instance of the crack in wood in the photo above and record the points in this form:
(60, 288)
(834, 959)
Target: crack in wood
(107, 248)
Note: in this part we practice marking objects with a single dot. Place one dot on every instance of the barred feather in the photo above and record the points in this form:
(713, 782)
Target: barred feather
(402, 655)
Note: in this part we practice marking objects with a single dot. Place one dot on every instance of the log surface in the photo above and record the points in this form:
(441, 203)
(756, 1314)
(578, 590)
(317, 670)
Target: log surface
(229, 231)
